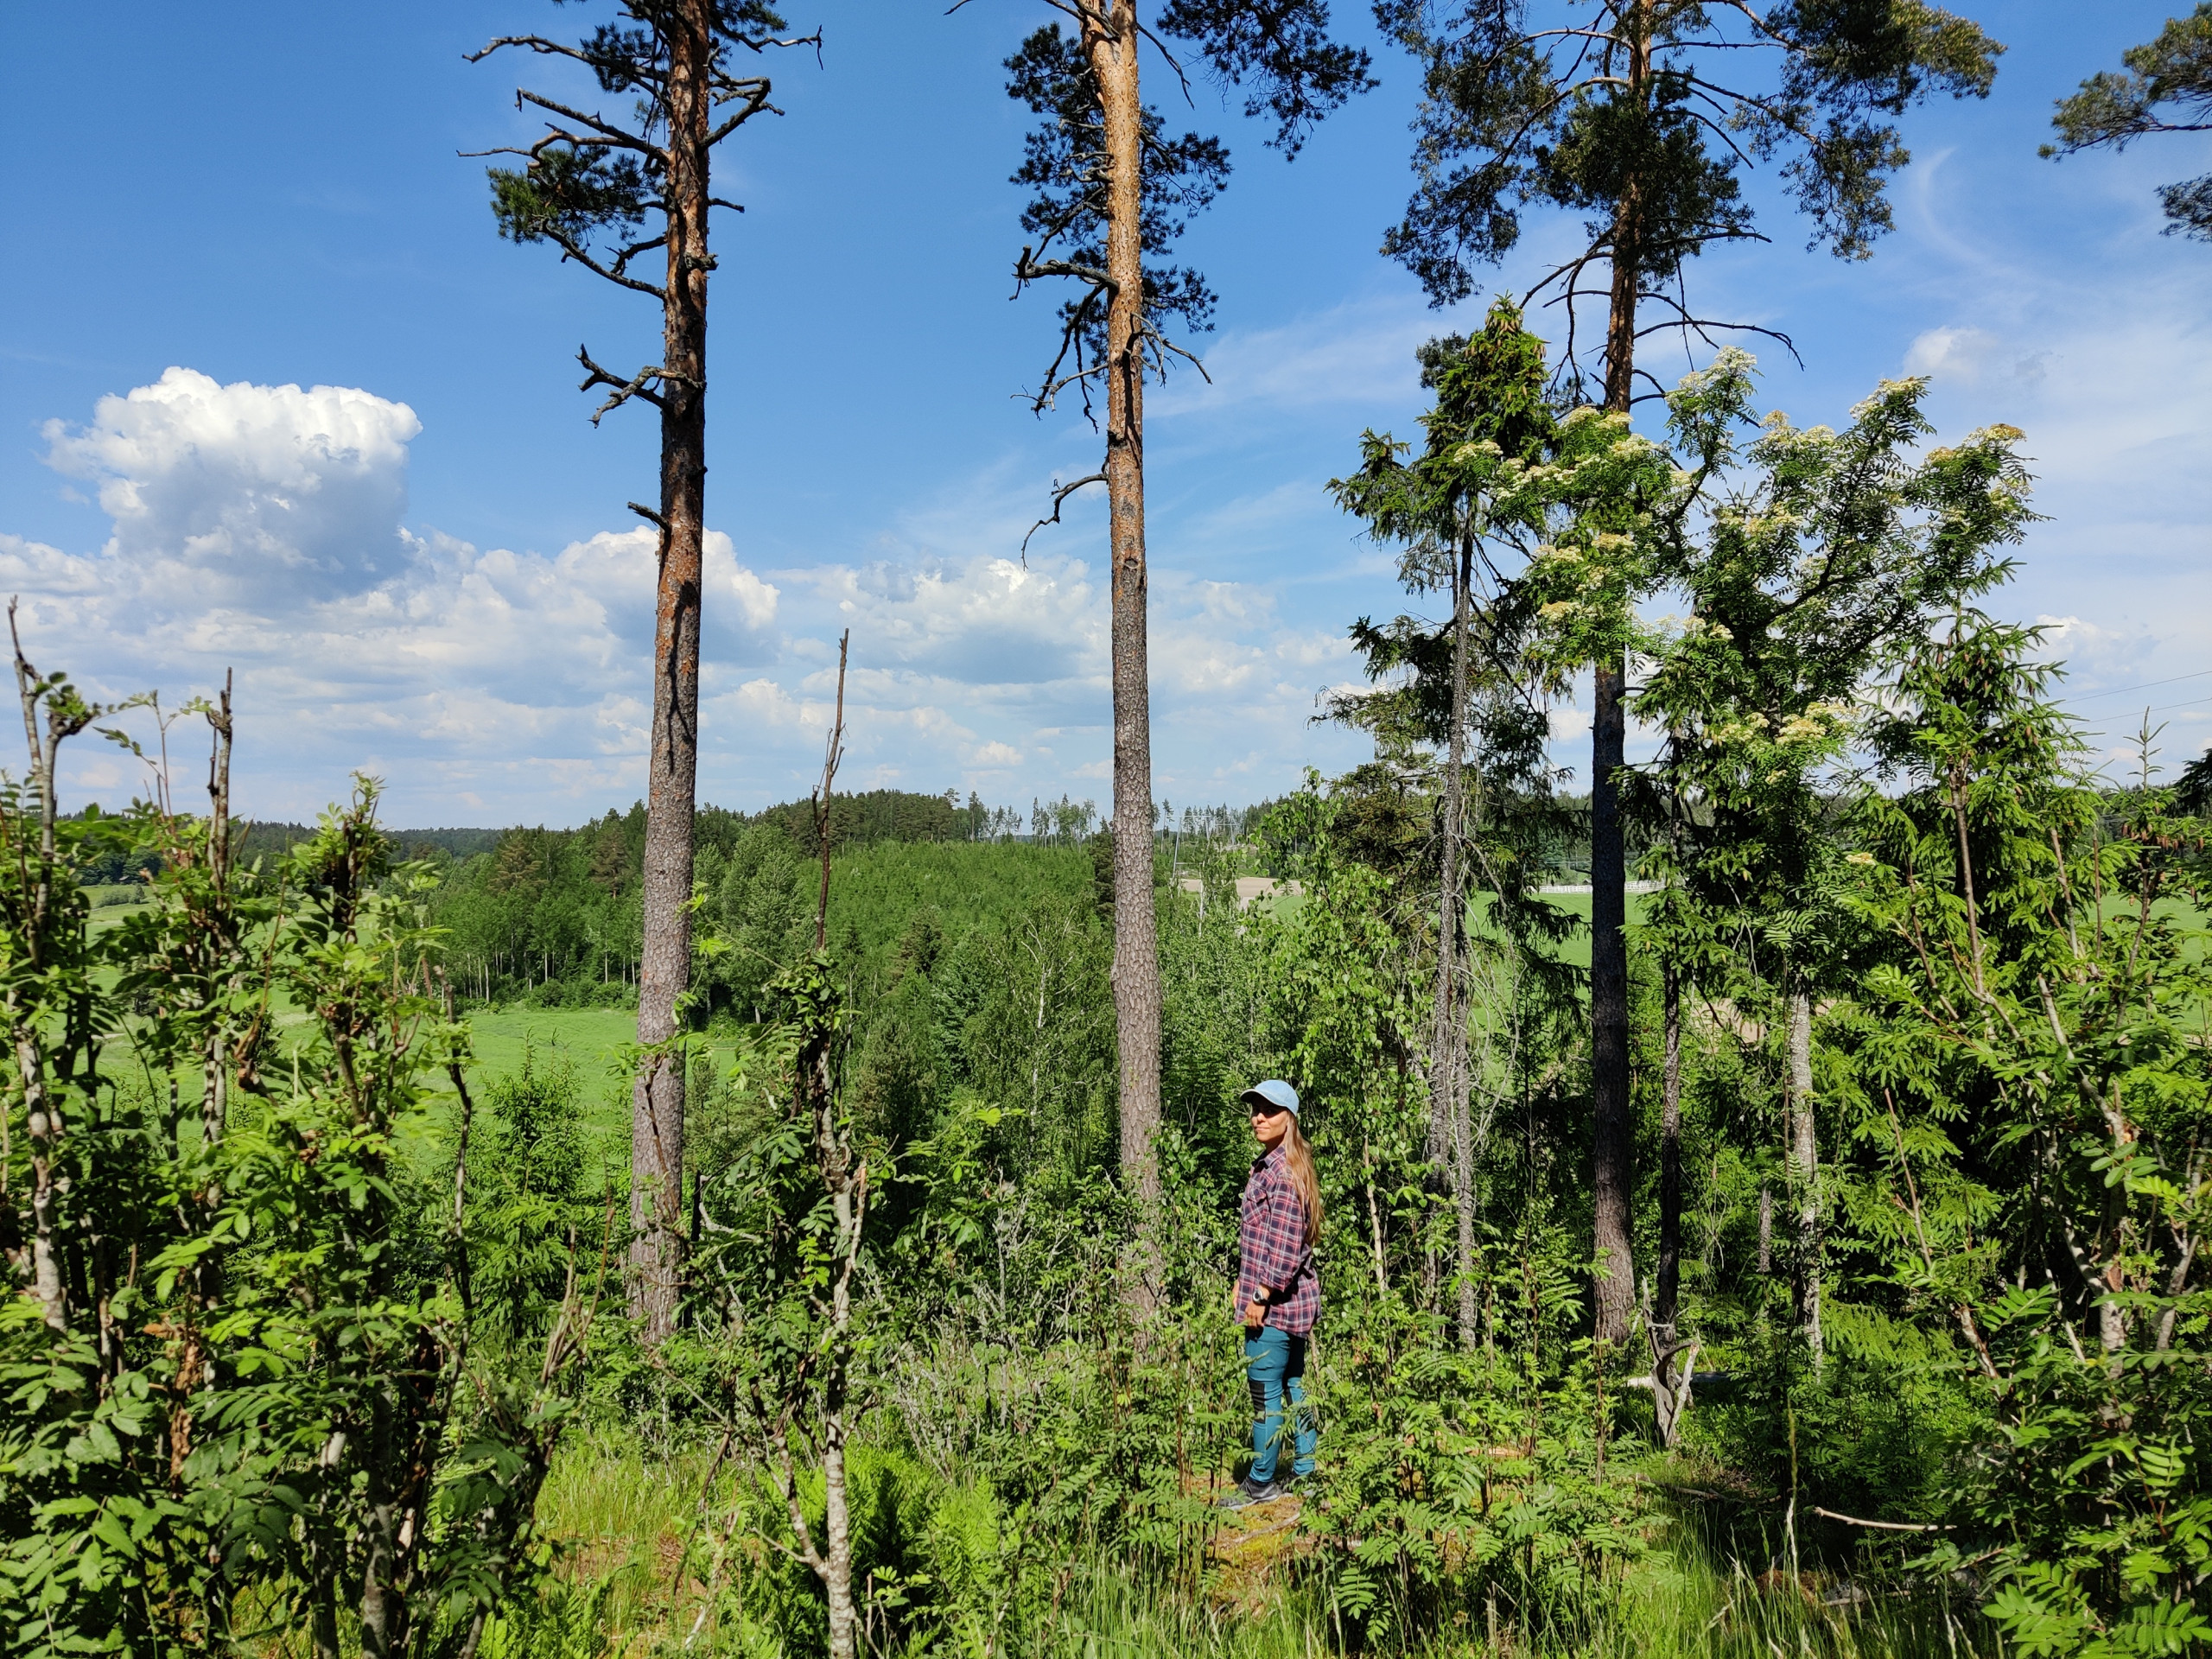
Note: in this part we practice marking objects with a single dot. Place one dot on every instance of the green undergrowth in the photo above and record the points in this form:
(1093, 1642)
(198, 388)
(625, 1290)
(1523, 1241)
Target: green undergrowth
(667, 1555)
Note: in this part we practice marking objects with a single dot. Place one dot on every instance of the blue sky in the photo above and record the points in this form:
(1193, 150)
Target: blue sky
(276, 396)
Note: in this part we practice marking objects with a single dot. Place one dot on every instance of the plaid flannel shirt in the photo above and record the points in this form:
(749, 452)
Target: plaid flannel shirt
(1274, 1262)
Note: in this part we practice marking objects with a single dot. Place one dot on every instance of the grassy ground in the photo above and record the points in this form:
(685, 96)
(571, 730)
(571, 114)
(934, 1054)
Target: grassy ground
(586, 1041)
(1576, 947)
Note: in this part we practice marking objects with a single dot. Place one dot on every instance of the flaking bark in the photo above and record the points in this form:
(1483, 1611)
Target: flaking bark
(1110, 41)
(657, 1099)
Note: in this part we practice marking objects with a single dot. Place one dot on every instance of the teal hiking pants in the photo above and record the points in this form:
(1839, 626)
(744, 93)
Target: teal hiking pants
(1274, 1363)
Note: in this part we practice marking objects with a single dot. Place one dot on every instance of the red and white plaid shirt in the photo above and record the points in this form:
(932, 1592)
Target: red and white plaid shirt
(1274, 1262)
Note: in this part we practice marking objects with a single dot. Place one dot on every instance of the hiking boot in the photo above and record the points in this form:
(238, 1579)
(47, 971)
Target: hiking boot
(1249, 1491)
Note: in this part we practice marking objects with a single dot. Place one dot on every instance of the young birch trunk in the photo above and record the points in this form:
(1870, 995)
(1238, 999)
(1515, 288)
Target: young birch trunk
(44, 1118)
(2112, 1319)
(42, 1108)
(847, 1190)
(383, 1609)
(1669, 1290)
(1451, 1017)
(1111, 39)
(1612, 1132)
(1805, 1171)
(845, 1181)
(656, 1100)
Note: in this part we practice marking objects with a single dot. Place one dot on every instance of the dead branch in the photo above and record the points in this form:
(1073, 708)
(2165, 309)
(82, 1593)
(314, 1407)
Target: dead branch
(834, 753)
(620, 137)
(1879, 1526)
(755, 103)
(1060, 494)
(636, 386)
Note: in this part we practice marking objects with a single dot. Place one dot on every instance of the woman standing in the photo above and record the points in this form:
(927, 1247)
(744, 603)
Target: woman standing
(1278, 1293)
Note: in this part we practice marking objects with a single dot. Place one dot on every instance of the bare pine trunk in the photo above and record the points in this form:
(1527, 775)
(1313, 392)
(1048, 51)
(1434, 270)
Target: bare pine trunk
(1612, 1138)
(1450, 1017)
(656, 1102)
(1612, 1143)
(1805, 1171)
(1112, 48)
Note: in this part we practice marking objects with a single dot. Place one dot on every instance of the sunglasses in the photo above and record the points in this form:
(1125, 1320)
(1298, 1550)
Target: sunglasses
(1256, 1110)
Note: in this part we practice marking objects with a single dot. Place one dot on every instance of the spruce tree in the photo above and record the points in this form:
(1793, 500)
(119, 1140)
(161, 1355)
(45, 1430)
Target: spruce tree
(1489, 419)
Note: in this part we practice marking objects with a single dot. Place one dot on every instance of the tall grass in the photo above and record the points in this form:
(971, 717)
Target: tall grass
(631, 1526)
(1677, 1604)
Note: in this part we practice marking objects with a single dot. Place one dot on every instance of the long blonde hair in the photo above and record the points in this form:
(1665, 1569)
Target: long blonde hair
(1298, 1160)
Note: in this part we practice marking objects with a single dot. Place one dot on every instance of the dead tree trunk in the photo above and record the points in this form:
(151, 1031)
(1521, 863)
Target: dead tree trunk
(39, 1022)
(1111, 40)
(214, 1098)
(1672, 1361)
(1669, 1290)
(844, 1182)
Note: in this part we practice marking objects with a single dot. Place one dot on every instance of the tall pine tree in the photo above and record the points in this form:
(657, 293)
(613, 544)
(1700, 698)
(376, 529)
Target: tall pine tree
(1113, 193)
(609, 194)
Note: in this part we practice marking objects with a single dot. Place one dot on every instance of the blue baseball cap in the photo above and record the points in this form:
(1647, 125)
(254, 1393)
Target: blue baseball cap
(1275, 1093)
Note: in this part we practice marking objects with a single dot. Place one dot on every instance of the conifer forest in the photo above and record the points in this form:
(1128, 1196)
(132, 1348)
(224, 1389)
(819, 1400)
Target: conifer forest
(1762, 1131)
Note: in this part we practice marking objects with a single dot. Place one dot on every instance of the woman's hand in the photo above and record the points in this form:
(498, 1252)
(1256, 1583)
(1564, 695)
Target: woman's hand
(1255, 1315)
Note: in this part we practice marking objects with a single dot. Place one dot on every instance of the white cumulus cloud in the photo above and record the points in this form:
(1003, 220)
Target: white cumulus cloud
(261, 529)
(260, 495)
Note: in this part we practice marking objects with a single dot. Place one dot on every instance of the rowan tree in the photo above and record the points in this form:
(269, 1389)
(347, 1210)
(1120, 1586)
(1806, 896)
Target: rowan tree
(2114, 110)
(1113, 193)
(1828, 558)
(609, 193)
(1642, 115)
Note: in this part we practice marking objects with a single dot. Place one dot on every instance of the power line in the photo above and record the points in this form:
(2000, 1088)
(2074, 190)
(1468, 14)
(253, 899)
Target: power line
(2165, 708)
(2121, 691)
